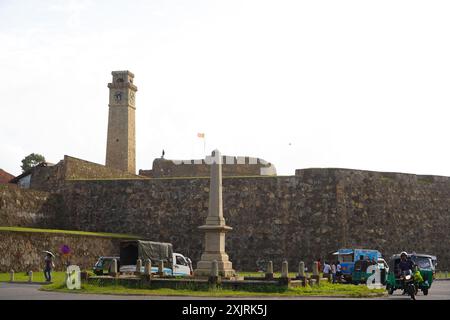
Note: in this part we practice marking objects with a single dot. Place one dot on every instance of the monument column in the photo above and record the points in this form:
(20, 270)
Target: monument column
(215, 227)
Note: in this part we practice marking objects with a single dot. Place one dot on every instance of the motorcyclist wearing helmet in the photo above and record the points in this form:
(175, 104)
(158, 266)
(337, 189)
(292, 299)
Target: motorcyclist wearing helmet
(405, 264)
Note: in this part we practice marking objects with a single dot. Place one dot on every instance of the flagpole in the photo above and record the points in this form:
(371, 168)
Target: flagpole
(203, 136)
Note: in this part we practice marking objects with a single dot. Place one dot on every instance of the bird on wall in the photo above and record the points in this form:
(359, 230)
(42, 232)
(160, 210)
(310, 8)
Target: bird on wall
(163, 153)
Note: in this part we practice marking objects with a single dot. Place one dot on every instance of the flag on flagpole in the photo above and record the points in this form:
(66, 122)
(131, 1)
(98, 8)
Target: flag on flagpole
(202, 136)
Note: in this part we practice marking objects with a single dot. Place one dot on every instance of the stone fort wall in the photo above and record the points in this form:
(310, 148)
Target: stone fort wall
(299, 217)
(51, 178)
(28, 208)
(232, 166)
(22, 251)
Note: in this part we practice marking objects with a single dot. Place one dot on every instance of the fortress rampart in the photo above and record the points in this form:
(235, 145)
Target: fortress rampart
(231, 166)
(299, 217)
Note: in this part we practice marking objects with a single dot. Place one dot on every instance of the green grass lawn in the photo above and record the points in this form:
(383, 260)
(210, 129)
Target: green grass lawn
(324, 289)
(262, 274)
(442, 275)
(39, 276)
(81, 233)
(57, 277)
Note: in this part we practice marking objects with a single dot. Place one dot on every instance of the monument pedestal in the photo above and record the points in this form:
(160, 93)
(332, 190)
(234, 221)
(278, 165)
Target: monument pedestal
(214, 250)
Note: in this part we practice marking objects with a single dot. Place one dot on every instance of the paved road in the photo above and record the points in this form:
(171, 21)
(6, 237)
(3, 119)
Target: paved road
(439, 291)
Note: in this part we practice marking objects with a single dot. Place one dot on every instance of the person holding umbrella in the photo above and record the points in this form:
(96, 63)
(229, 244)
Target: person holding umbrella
(49, 265)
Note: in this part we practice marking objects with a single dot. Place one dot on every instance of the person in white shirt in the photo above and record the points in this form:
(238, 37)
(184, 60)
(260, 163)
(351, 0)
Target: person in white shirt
(326, 269)
(333, 272)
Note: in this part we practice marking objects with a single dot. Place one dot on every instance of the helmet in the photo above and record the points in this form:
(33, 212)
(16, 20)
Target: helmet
(403, 253)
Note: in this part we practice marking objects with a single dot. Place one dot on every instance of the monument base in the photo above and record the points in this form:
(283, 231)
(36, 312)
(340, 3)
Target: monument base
(224, 267)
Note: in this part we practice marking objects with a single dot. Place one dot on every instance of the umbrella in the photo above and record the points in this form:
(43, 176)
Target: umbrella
(49, 252)
(65, 250)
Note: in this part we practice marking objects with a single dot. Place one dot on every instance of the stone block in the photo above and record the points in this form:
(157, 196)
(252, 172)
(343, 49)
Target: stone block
(161, 268)
(301, 270)
(114, 272)
(269, 271)
(138, 267)
(284, 270)
(148, 269)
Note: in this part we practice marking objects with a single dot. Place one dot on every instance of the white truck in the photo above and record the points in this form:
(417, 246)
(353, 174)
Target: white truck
(175, 264)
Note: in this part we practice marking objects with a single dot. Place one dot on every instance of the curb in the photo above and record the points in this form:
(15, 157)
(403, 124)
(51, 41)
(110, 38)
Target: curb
(215, 297)
(26, 282)
(445, 279)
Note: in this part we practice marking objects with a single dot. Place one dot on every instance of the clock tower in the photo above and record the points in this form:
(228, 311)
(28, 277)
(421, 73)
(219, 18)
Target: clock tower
(121, 142)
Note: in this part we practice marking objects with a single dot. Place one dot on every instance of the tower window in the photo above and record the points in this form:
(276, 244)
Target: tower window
(120, 80)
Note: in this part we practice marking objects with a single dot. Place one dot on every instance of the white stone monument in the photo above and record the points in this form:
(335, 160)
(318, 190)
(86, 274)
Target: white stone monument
(215, 227)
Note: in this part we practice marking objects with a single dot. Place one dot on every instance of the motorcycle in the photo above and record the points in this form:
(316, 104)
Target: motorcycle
(409, 285)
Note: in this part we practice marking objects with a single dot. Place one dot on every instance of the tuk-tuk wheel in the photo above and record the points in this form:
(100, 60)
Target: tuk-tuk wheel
(425, 292)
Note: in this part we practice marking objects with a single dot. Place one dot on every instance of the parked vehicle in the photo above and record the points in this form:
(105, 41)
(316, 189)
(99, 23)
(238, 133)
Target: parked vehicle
(425, 262)
(348, 257)
(360, 274)
(423, 276)
(175, 264)
(103, 265)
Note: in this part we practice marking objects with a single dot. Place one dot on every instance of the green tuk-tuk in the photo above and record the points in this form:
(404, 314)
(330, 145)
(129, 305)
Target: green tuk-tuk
(360, 274)
(423, 279)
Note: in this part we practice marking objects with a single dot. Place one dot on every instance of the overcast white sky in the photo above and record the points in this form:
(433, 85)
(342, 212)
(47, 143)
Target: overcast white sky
(352, 84)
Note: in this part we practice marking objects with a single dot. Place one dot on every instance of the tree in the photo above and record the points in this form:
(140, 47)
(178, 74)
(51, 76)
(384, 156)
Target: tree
(31, 161)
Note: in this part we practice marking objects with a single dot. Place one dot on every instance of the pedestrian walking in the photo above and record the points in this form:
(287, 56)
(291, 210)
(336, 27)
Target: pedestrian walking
(48, 266)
